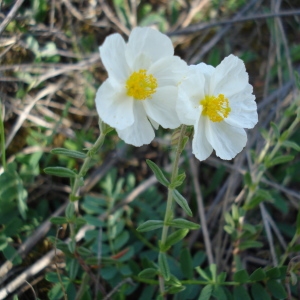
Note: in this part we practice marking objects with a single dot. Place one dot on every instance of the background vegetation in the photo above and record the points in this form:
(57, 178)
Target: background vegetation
(49, 73)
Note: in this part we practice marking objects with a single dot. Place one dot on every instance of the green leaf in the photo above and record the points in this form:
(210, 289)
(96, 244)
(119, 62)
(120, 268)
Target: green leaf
(276, 129)
(60, 172)
(3, 242)
(276, 289)
(273, 273)
(259, 293)
(175, 237)
(173, 281)
(241, 276)
(186, 263)
(250, 244)
(72, 246)
(177, 181)
(247, 179)
(148, 273)
(203, 274)
(157, 172)
(150, 225)
(69, 153)
(73, 268)
(290, 144)
(279, 160)
(213, 272)
(258, 275)
(219, 293)
(175, 289)
(163, 266)
(70, 211)
(182, 223)
(298, 223)
(59, 220)
(181, 201)
(206, 292)
(240, 292)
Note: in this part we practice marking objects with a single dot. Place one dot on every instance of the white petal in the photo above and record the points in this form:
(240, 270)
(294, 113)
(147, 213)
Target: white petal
(162, 107)
(190, 92)
(149, 41)
(227, 140)
(154, 124)
(112, 54)
(187, 112)
(169, 70)
(204, 68)
(113, 105)
(243, 113)
(201, 147)
(230, 77)
(140, 132)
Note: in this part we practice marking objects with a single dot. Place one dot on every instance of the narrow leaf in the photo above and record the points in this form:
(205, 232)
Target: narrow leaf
(259, 293)
(70, 210)
(148, 273)
(175, 237)
(177, 181)
(298, 223)
(250, 244)
(60, 172)
(163, 266)
(150, 225)
(206, 292)
(181, 201)
(241, 276)
(240, 292)
(59, 220)
(176, 289)
(182, 223)
(280, 160)
(157, 172)
(258, 275)
(69, 153)
(276, 289)
(276, 129)
(186, 263)
(290, 144)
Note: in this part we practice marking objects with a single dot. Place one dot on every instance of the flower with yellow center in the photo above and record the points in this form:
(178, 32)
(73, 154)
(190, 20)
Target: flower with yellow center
(142, 86)
(219, 103)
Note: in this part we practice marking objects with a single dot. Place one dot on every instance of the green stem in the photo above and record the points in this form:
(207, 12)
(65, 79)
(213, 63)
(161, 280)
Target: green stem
(2, 134)
(169, 208)
(85, 166)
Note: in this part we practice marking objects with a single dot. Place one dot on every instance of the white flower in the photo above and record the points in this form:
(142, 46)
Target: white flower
(141, 90)
(219, 103)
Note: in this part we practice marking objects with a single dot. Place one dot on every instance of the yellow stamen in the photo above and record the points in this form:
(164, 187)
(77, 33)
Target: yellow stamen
(216, 108)
(140, 85)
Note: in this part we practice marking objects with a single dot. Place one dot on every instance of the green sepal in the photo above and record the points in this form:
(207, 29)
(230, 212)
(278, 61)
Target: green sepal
(69, 153)
(150, 225)
(182, 223)
(158, 173)
(181, 201)
(60, 172)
